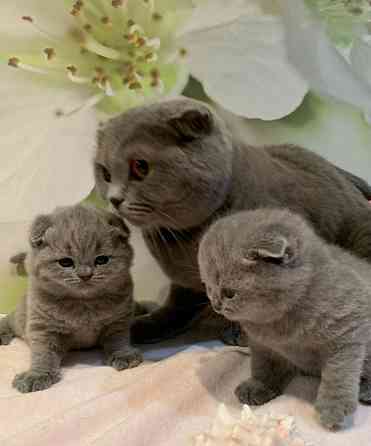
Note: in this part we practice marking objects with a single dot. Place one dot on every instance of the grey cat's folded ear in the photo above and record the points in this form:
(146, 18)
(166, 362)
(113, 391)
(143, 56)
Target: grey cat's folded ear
(119, 227)
(272, 250)
(192, 124)
(38, 229)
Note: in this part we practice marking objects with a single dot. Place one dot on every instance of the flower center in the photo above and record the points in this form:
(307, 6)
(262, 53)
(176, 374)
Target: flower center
(114, 47)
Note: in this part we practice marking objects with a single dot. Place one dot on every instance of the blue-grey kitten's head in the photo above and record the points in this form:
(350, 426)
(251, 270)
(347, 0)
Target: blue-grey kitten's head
(79, 251)
(166, 164)
(257, 264)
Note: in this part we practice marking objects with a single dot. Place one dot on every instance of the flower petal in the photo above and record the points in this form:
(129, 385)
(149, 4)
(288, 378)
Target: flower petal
(312, 53)
(45, 159)
(360, 58)
(212, 13)
(50, 16)
(243, 67)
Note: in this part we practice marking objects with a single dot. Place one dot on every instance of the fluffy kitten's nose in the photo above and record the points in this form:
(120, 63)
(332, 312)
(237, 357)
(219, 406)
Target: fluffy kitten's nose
(85, 274)
(217, 305)
(116, 202)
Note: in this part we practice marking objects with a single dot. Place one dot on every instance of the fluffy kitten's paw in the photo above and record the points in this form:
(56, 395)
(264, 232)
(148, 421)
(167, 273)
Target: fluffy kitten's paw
(34, 381)
(254, 392)
(125, 360)
(333, 416)
(6, 338)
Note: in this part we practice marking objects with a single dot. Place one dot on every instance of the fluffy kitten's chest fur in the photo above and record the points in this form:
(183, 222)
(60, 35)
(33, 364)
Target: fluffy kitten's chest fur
(80, 322)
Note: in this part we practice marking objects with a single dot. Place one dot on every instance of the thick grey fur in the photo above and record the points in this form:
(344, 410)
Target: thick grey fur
(304, 305)
(198, 173)
(61, 310)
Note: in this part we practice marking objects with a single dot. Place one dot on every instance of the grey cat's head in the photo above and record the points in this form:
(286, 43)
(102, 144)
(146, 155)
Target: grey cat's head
(257, 264)
(165, 165)
(79, 251)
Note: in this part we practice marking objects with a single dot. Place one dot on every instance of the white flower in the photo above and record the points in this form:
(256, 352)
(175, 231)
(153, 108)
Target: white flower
(313, 53)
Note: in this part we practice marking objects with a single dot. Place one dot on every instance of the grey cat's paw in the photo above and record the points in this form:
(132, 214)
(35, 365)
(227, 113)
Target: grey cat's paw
(365, 391)
(125, 360)
(254, 392)
(333, 416)
(34, 381)
(6, 338)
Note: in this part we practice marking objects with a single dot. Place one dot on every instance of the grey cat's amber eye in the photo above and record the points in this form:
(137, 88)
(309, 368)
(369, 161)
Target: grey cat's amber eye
(101, 260)
(139, 169)
(66, 262)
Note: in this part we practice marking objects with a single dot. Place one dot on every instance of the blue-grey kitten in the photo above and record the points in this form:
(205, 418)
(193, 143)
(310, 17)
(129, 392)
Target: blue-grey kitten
(80, 293)
(304, 305)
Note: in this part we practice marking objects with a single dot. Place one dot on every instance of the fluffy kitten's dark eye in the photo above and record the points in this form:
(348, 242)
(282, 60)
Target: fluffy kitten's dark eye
(101, 260)
(66, 262)
(105, 173)
(139, 169)
(227, 293)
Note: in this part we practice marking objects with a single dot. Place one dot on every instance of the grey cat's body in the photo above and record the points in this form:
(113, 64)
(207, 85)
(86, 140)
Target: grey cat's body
(80, 293)
(189, 171)
(303, 304)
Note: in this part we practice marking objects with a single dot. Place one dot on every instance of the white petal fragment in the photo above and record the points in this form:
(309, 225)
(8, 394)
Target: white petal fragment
(46, 160)
(243, 66)
(312, 53)
(211, 13)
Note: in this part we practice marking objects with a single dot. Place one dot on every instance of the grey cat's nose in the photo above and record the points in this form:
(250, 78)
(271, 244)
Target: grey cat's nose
(217, 306)
(85, 274)
(116, 201)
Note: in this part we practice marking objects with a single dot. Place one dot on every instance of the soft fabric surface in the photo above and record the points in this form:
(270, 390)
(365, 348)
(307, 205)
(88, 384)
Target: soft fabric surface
(165, 402)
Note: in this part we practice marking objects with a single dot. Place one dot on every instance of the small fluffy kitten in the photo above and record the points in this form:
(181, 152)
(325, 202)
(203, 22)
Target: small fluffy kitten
(305, 306)
(172, 168)
(80, 293)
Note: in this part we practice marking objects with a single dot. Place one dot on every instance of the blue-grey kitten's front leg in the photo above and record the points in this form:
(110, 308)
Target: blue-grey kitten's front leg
(47, 351)
(339, 389)
(118, 352)
(269, 376)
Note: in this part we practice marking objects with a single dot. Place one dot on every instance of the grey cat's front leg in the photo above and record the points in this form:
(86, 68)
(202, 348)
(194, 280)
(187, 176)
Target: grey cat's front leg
(47, 351)
(269, 376)
(118, 351)
(339, 389)
(175, 317)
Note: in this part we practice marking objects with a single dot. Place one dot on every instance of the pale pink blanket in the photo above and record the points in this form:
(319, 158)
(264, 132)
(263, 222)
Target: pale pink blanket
(164, 402)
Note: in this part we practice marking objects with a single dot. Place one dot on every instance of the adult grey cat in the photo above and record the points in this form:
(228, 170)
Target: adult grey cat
(80, 293)
(172, 168)
(304, 305)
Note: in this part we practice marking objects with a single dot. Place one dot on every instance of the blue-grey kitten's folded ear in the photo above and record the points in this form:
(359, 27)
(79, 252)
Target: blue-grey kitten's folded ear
(272, 249)
(192, 124)
(38, 229)
(119, 226)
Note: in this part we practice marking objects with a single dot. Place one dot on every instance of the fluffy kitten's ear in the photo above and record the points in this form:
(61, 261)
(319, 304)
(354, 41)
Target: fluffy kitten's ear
(38, 229)
(192, 124)
(119, 227)
(275, 250)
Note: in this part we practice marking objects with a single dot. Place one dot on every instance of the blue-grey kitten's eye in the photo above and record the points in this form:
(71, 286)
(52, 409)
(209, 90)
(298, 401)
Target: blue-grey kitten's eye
(105, 173)
(227, 293)
(66, 262)
(101, 260)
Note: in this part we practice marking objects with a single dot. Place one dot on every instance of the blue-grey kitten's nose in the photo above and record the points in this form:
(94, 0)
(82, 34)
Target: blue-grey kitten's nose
(116, 202)
(85, 274)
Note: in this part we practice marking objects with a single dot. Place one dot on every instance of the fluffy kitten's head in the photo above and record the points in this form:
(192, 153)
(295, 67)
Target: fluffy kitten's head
(80, 251)
(256, 264)
(165, 165)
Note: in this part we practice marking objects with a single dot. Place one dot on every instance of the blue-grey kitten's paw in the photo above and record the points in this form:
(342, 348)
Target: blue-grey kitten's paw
(124, 360)
(34, 381)
(6, 338)
(254, 393)
(334, 415)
